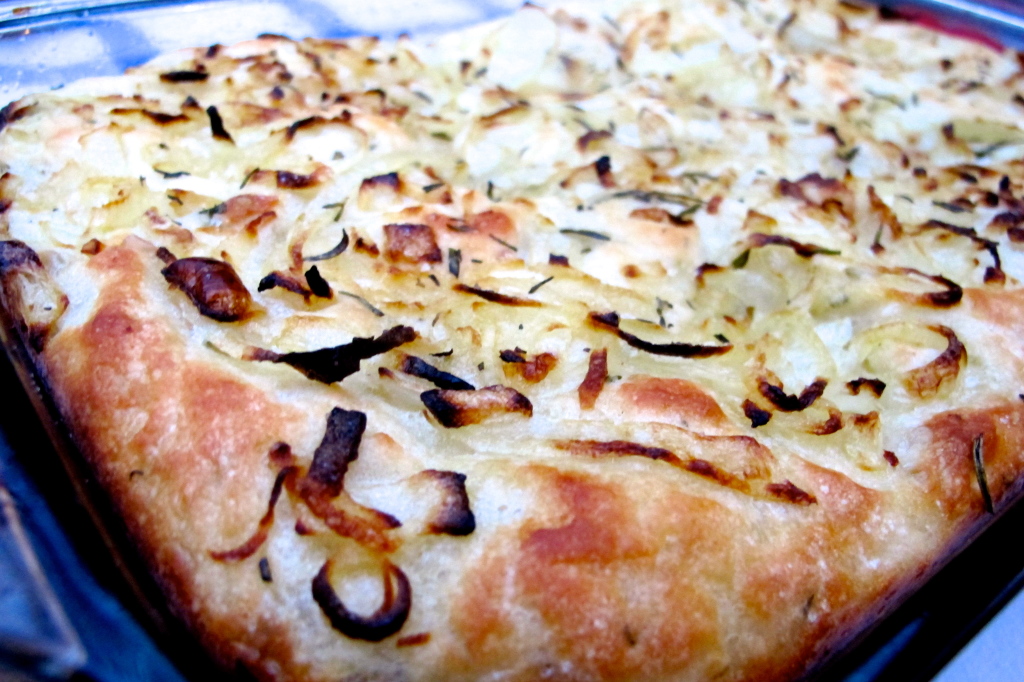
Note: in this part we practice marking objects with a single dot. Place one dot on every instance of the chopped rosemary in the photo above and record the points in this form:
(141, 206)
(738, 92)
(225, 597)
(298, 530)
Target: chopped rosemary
(503, 243)
(539, 284)
(366, 304)
(340, 205)
(248, 177)
(600, 236)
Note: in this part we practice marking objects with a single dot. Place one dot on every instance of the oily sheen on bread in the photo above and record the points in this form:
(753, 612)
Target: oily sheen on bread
(612, 341)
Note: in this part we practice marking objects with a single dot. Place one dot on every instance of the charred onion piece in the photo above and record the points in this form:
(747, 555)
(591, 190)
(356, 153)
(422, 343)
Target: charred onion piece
(755, 414)
(325, 482)
(330, 365)
(29, 293)
(184, 76)
(593, 383)
(217, 125)
(382, 623)
(876, 386)
(282, 280)
(801, 249)
(317, 284)
(609, 322)
(249, 547)
(212, 285)
(338, 448)
(454, 517)
(418, 368)
(792, 403)
(462, 408)
(925, 382)
(495, 297)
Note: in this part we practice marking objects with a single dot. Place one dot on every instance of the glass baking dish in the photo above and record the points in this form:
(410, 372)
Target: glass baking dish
(47, 44)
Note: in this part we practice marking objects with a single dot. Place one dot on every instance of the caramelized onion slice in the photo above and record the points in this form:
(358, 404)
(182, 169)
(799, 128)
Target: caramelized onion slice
(455, 409)
(940, 299)
(330, 365)
(249, 547)
(593, 383)
(925, 382)
(212, 285)
(609, 322)
(382, 623)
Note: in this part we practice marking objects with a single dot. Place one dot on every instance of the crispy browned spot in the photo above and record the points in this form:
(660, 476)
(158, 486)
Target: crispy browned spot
(876, 386)
(455, 409)
(925, 382)
(891, 457)
(92, 247)
(788, 492)
(390, 180)
(593, 383)
(418, 639)
(410, 243)
(212, 285)
(609, 322)
(367, 247)
(453, 516)
(495, 297)
(382, 623)
(791, 403)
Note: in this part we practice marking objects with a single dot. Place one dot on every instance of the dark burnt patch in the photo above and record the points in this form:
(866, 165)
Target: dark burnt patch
(317, 284)
(158, 117)
(788, 492)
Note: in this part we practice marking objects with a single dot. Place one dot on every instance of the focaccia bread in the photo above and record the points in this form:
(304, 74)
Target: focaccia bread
(620, 341)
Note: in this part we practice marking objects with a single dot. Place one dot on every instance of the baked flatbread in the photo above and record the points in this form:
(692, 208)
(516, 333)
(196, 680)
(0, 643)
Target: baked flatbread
(619, 341)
